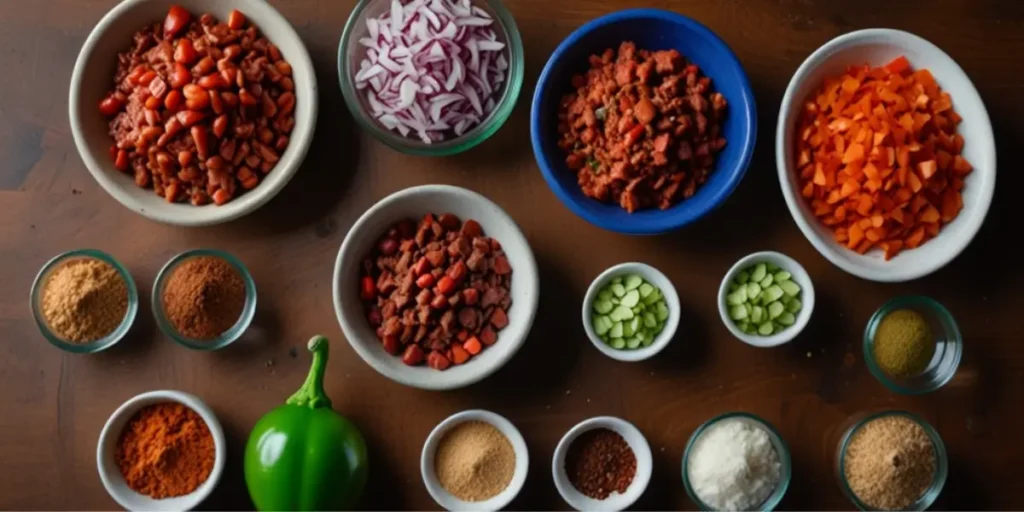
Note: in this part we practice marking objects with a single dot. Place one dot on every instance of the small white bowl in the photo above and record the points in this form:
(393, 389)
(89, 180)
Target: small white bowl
(414, 203)
(445, 499)
(800, 277)
(110, 473)
(656, 278)
(616, 501)
(878, 47)
(93, 75)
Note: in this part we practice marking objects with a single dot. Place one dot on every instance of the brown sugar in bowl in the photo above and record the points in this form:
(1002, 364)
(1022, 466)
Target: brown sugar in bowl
(231, 331)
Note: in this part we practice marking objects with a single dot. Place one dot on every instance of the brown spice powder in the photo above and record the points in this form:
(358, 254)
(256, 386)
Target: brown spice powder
(474, 461)
(890, 462)
(204, 297)
(165, 450)
(84, 300)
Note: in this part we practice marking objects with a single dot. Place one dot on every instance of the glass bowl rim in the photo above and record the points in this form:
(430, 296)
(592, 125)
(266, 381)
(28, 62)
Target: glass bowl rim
(786, 473)
(479, 133)
(102, 343)
(893, 304)
(227, 337)
(941, 459)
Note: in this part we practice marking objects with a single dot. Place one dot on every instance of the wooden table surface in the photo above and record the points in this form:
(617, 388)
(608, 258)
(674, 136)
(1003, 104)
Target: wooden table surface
(53, 404)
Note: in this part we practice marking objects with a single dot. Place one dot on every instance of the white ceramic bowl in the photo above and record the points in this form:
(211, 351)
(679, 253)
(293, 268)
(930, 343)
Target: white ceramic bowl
(877, 47)
(800, 277)
(445, 499)
(651, 275)
(111, 476)
(93, 78)
(616, 501)
(414, 203)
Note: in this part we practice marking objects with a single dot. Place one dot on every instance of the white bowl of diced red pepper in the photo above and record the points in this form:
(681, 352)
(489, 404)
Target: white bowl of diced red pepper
(435, 287)
(205, 162)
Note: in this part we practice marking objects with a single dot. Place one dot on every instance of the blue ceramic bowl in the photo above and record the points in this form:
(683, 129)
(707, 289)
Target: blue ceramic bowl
(651, 29)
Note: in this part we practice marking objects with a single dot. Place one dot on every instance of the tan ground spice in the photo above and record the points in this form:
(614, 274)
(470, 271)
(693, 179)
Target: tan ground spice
(474, 461)
(84, 300)
(204, 297)
(890, 462)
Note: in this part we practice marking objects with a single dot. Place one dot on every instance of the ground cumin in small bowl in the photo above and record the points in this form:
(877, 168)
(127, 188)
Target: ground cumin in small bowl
(474, 460)
(84, 301)
(204, 299)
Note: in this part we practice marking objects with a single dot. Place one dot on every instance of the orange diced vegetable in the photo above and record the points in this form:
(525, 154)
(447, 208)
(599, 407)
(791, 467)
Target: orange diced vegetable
(880, 158)
(929, 215)
(928, 168)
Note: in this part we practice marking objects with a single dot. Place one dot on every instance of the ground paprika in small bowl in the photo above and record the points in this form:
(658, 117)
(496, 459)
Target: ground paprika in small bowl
(161, 450)
(204, 299)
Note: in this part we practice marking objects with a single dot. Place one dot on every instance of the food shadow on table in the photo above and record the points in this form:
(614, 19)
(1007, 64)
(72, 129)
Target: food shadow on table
(265, 330)
(552, 348)
(325, 175)
(688, 349)
(380, 492)
(962, 491)
(231, 492)
(989, 264)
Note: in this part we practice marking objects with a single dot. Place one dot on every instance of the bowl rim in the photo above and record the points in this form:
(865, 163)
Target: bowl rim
(869, 341)
(677, 216)
(134, 404)
(482, 131)
(785, 459)
(641, 479)
(35, 295)
(663, 338)
(210, 214)
(826, 247)
(807, 299)
(926, 500)
(227, 337)
(499, 501)
(528, 267)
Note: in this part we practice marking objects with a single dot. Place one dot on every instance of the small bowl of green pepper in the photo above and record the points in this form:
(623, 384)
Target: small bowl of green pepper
(766, 299)
(631, 312)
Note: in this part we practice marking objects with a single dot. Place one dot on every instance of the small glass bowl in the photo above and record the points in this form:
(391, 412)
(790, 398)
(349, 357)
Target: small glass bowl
(785, 470)
(36, 297)
(948, 346)
(350, 53)
(227, 337)
(941, 462)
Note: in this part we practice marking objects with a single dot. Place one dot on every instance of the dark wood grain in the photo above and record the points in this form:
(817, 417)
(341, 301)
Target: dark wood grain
(52, 404)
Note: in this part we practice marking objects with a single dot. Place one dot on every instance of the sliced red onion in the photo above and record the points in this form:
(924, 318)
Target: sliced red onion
(433, 68)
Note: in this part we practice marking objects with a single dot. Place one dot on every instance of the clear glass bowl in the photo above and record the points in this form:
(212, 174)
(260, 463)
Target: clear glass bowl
(350, 53)
(941, 462)
(785, 472)
(36, 297)
(948, 346)
(227, 337)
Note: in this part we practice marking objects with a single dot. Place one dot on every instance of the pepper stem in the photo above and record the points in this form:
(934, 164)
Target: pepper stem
(311, 394)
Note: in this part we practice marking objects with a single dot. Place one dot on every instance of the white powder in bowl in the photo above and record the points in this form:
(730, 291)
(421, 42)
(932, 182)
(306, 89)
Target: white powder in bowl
(733, 466)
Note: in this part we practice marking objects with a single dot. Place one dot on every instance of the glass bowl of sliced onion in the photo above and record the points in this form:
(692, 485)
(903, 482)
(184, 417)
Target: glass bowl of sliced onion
(430, 77)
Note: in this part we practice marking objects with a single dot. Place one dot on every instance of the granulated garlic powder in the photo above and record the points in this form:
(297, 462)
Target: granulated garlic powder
(733, 466)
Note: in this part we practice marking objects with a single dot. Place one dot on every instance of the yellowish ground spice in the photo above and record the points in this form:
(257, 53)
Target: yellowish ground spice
(474, 461)
(904, 343)
(84, 300)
